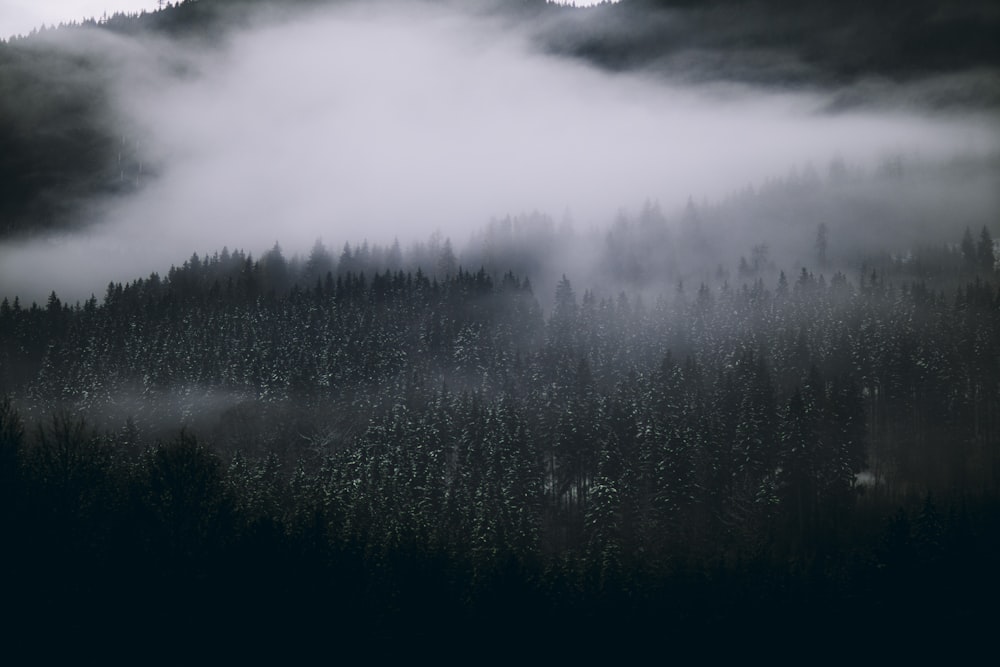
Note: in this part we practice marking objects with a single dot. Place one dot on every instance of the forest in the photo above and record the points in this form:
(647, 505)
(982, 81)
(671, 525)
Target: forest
(406, 441)
(733, 426)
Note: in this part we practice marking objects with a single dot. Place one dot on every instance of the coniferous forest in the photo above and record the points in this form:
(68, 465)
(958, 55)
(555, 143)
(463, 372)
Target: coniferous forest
(739, 425)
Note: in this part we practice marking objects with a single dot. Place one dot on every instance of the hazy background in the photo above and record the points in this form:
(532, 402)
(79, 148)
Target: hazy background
(392, 121)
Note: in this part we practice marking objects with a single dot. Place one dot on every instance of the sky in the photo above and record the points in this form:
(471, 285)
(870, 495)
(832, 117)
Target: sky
(18, 17)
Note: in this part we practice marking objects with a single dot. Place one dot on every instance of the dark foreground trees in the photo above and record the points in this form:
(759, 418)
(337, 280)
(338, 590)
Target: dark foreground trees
(170, 552)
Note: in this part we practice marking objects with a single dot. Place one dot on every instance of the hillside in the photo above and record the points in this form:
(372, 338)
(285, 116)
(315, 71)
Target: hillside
(336, 329)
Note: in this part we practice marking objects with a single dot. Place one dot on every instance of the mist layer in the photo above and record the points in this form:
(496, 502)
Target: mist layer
(379, 123)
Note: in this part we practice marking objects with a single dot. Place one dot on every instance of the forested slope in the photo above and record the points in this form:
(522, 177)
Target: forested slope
(444, 440)
(773, 416)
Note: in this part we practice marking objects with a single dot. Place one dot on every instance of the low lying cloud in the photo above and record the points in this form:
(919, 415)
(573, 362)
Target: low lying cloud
(376, 123)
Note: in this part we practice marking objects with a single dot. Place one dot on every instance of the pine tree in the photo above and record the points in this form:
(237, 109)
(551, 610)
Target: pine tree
(821, 245)
(968, 248)
(11, 453)
(563, 322)
(984, 251)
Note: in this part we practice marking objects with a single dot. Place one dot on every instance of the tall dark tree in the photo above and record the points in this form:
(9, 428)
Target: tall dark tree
(822, 245)
(11, 460)
(985, 256)
(968, 247)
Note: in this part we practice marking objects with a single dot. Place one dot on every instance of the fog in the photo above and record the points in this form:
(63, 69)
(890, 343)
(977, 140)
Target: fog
(380, 123)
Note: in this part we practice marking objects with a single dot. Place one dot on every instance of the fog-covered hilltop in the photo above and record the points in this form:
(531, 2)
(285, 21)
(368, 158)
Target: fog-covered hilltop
(923, 52)
(75, 130)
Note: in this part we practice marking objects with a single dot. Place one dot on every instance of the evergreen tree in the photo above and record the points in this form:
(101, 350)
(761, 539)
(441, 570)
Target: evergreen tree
(821, 245)
(968, 248)
(985, 257)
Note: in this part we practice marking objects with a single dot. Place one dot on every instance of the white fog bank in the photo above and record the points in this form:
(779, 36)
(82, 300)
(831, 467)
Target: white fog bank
(377, 124)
